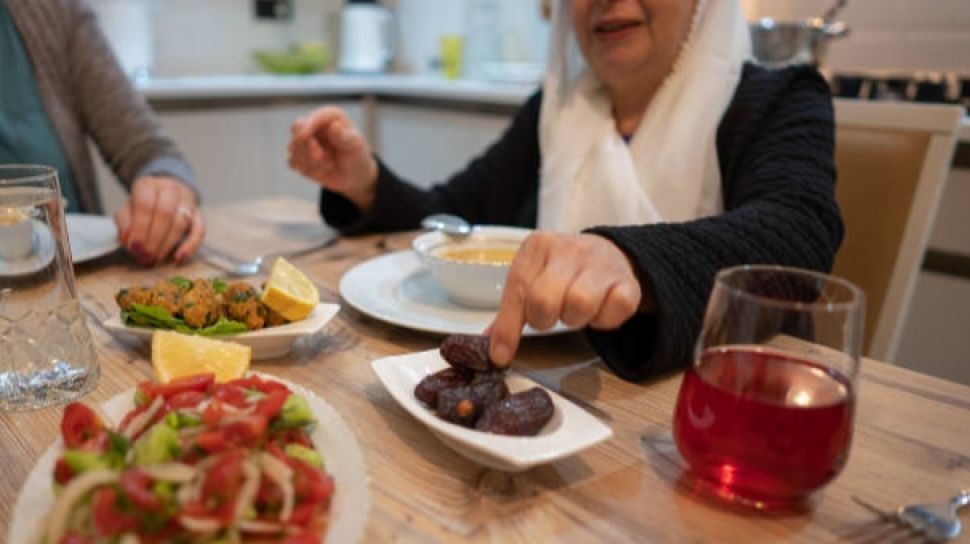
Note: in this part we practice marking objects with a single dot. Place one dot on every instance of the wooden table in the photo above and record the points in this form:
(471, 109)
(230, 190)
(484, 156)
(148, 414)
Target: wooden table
(912, 438)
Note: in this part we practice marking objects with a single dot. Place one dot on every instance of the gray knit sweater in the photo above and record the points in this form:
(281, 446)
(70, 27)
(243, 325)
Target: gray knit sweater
(86, 94)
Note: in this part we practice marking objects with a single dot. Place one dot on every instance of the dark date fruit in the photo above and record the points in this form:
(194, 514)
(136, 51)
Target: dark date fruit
(467, 351)
(521, 414)
(490, 387)
(459, 405)
(431, 386)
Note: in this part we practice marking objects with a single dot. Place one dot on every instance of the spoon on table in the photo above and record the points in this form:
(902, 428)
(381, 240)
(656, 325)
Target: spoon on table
(451, 225)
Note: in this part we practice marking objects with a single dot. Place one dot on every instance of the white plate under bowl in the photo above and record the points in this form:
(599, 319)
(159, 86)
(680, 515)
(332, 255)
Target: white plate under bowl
(332, 437)
(91, 236)
(267, 343)
(398, 289)
(570, 430)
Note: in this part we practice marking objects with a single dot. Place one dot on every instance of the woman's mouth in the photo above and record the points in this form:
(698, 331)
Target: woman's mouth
(614, 29)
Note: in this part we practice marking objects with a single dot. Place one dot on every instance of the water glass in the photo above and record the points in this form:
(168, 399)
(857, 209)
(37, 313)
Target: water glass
(765, 413)
(47, 354)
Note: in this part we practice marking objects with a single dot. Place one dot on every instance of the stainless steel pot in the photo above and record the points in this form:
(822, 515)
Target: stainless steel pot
(776, 44)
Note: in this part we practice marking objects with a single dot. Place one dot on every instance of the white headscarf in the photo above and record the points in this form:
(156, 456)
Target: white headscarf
(669, 170)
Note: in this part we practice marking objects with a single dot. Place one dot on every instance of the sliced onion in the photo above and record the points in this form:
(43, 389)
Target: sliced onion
(260, 527)
(248, 491)
(199, 525)
(170, 472)
(282, 475)
(73, 492)
(129, 538)
(139, 422)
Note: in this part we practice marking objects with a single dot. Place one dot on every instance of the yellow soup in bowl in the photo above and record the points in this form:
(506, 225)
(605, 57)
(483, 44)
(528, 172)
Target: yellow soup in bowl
(494, 255)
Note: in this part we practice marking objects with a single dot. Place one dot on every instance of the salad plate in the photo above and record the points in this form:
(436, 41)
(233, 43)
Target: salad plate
(331, 437)
(570, 430)
(266, 343)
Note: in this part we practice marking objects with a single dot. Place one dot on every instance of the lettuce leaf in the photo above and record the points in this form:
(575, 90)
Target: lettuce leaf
(182, 283)
(156, 317)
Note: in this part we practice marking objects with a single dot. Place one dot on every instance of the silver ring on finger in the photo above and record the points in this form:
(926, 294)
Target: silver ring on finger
(184, 211)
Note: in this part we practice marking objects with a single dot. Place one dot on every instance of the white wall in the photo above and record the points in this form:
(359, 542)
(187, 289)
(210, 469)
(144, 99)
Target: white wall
(888, 34)
(206, 37)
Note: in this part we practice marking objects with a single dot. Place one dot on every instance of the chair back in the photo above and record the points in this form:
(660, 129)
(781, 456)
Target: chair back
(892, 160)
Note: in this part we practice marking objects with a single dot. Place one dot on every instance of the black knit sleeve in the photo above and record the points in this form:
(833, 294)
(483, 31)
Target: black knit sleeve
(498, 187)
(776, 146)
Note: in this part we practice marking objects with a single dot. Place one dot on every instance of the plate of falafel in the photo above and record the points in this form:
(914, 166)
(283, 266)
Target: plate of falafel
(213, 307)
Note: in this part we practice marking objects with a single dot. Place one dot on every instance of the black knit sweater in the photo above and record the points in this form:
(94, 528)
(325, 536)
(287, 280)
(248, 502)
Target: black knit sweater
(775, 147)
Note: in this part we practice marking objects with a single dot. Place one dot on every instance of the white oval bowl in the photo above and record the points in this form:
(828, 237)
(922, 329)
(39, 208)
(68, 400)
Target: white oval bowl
(476, 285)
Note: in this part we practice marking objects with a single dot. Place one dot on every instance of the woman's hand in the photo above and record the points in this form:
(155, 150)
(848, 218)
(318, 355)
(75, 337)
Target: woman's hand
(161, 215)
(327, 148)
(579, 279)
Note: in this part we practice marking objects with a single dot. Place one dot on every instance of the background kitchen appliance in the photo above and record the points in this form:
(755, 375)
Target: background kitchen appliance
(367, 37)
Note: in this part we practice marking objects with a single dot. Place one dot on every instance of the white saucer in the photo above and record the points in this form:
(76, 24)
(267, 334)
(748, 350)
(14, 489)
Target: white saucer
(398, 288)
(92, 236)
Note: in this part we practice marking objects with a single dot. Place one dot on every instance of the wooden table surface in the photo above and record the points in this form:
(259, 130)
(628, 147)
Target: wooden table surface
(911, 443)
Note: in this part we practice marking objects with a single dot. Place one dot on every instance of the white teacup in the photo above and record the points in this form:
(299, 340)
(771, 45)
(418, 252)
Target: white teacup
(16, 234)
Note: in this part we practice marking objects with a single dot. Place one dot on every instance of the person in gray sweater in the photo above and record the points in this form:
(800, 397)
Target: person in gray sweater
(63, 86)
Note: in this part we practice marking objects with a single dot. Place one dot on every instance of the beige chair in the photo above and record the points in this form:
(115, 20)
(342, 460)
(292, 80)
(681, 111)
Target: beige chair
(892, 160)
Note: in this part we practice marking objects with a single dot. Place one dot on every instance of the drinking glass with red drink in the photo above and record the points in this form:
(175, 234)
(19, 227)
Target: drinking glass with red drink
(764, 415)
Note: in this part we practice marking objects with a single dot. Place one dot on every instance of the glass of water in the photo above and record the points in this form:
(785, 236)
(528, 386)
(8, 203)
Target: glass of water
(47, 355)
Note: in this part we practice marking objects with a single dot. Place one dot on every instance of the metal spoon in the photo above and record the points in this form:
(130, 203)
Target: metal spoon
(829, 15)
(451, 225)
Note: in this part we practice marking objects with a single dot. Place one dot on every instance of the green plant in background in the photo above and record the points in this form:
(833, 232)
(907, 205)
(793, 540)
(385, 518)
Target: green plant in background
(301, 58)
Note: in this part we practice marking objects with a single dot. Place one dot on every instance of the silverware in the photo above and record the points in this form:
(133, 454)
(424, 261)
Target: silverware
(935, 522)
(451, 225)
(242, 269)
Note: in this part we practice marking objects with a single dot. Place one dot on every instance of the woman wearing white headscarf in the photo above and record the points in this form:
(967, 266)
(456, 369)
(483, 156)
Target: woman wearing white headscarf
(654, 156)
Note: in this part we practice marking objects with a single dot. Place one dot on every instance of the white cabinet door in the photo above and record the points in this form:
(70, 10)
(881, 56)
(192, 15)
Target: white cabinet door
(425, 145)
(236, 153)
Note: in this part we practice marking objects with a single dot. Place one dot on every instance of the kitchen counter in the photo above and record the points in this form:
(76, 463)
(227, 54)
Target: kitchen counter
(322, 85)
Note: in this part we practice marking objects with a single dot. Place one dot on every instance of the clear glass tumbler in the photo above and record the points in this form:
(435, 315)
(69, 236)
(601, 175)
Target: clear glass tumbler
(47, 355)
(765, 413)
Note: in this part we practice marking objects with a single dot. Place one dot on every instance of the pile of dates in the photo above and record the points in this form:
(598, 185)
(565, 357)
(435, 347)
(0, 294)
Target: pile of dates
(472, 392)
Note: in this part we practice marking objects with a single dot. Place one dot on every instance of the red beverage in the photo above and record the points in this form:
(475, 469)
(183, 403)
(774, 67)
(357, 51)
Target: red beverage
(762, 425)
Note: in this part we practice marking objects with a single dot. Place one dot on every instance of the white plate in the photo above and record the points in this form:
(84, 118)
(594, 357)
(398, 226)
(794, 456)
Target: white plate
(570, 430)
(331, 437)
(266, 343)
(398, 288)
(91, 236)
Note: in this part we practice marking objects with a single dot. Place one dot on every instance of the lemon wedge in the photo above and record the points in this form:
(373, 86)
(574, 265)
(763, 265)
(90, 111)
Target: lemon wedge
(175, 355)
(289, 292)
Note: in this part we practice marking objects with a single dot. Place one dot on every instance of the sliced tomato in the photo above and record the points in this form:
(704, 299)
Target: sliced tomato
(62, 472)
(109, 520)
(247, 431)
(222, 483)
(213, 413)
(137, 486)
(258, 384)
(231, 395)
(198, 382)
(271, 405)
(79, 424)
(311, 485)
(185, 399)
(304, 513)
(269, 498)
(212, 440)
(284, 437)
(303, 538)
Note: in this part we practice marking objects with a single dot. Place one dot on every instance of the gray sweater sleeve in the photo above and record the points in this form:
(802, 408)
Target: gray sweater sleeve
(113, 114)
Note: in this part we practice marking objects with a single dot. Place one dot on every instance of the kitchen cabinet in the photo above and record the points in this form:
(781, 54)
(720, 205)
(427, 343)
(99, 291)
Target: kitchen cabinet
(237, 153)
(425, 144)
